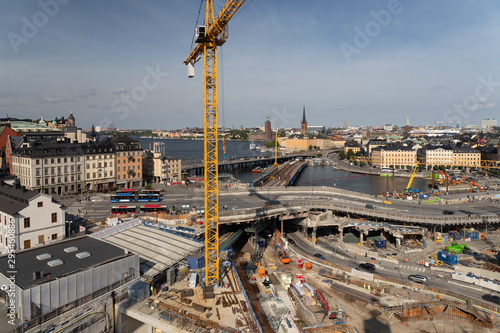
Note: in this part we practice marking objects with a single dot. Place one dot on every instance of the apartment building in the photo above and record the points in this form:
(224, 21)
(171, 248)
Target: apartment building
(28, 218)
(50, 167)
(352, 145)
(398, 156)
(160, 168)
(438, 156)
(128, 162)
(466, 156)
(99, 165)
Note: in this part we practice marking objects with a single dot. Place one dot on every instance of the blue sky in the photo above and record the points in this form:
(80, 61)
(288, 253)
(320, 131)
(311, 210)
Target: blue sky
(370, 62)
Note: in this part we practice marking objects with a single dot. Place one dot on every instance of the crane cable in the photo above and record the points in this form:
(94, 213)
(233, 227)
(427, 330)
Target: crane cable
(197, 20)
(243, 8)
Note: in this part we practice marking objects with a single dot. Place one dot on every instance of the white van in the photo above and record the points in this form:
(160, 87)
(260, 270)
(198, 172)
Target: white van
(192, 280)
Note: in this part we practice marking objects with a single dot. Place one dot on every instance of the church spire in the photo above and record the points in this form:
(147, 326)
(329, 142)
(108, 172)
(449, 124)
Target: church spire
(304, 121)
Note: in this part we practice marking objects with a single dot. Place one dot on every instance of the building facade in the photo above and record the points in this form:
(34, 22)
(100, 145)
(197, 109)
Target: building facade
(438, 156)
(99, 166)
(50, 167)
(160, 168)
(33, 218)
(466, 156)
(128, 162)
(398, 156)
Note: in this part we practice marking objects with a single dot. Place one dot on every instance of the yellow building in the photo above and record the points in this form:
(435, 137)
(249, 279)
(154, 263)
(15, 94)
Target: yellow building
(466, 156)
(302, 143)
(397, 155)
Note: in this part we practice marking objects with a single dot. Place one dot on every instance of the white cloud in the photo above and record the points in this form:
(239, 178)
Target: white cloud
(52, 100)
(87, 93)
(482, 105)
(119, 90)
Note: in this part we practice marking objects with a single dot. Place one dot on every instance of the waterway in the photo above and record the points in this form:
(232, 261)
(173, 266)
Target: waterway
(191, 151)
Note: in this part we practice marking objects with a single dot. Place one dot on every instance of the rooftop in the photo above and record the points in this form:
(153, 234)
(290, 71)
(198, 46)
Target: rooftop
(27, 262)
(14, 198)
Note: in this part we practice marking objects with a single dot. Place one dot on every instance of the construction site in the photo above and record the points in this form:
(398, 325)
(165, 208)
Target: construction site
(266, 288)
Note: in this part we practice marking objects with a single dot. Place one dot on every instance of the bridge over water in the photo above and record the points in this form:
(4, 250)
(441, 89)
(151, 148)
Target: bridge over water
(301, 200)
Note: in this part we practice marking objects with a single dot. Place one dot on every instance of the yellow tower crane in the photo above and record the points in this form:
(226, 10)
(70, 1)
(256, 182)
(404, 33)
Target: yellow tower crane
(208, 37)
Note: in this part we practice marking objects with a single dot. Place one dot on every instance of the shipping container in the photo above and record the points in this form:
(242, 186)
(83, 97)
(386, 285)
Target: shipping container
(467, 234)
(193, 277)
(196, 261)
(457, 236)
(445, 238)
(438, 238)
(498, 255)
(449, 259)
(475, 235)
(380, 243)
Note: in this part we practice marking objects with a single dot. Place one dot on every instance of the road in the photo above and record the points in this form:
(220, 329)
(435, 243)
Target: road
(339, 256)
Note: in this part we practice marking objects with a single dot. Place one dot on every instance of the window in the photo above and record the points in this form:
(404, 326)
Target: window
(65, 160)
(37, 163)
(72, 159)
(40, 204)
(38, 182)
(118, 168)
(118, 176)
(58, 160)
(88, 175)
(54, 236)
(54, 217)
(26, 222)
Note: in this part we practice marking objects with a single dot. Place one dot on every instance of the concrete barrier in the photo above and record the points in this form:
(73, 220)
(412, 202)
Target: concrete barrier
(476, 281)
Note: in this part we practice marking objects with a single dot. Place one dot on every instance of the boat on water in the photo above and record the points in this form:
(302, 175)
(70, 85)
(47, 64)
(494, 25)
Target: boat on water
(257, 170)
(253, 146)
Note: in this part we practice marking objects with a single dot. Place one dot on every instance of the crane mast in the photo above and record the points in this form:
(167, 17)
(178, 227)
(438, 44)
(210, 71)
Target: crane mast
(213, 34)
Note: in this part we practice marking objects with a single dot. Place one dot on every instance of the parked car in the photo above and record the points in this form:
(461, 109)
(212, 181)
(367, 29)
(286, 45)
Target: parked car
(367, 266)
(448, 212)
(417, 278)
(492, 298)
(369, 207)
(319, 255)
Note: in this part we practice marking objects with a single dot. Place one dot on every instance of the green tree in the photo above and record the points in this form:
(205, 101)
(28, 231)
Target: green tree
(355, 162)
(310, 147)
(272, 143)
(342, 154)
(358, 153)
(350, 154)
(148, 186)
(362, 164)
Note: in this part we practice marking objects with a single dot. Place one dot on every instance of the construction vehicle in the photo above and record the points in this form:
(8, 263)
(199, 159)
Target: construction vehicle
(473, 183)
(208, 36)
(330, 314)
(408, 189)
(455, 248)
(284, 258)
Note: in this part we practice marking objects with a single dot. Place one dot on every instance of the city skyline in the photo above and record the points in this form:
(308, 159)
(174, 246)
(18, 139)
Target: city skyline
(372, 62)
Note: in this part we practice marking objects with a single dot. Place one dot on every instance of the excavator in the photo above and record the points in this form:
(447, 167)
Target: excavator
(473, 183)
(284, 258)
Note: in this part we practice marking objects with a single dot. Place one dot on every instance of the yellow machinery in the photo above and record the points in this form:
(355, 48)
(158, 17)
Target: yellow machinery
(208, 37)
(408, 188)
